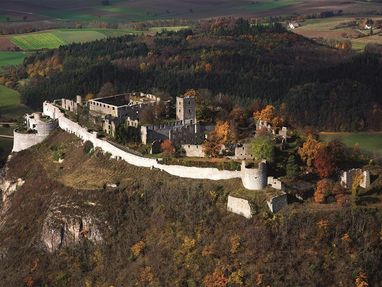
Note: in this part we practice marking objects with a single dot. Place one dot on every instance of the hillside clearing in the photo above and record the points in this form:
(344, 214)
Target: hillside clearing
(10, 106)
(11, 58)
(339, 28)
(368, 141)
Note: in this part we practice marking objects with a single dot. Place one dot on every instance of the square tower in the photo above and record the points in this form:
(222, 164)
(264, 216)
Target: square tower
(185, 109)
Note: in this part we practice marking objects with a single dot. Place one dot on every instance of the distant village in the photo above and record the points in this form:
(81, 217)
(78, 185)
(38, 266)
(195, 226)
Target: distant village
(197, 143)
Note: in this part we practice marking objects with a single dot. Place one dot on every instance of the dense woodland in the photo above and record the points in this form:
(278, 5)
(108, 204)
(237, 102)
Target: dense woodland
(321, 87)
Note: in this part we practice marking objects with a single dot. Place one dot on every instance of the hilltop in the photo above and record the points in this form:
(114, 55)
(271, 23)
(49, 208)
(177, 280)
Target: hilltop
(73, 227)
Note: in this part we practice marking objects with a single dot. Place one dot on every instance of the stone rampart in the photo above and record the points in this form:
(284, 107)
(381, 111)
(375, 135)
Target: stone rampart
(117, 153)
(254, 178)
(239, 206)
(23, 141)
(193, 150)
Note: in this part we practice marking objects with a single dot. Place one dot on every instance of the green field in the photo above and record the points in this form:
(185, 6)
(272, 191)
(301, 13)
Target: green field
(10, 107)
(37, 41)
(270, 5)
(371, 142)
(339, 28)
(173, 29)
(54, 38)
(11, 58)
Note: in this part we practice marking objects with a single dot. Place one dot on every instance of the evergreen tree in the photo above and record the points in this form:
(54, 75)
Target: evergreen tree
(291, 167)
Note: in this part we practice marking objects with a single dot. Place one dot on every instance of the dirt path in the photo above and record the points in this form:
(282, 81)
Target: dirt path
(6, 136)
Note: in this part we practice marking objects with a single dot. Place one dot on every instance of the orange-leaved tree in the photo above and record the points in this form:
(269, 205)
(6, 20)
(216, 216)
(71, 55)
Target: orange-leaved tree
(309, 150)
(216, 279)
(167, 147)
(325, 162)
(324, 188)
(221, 135)
(266, 114)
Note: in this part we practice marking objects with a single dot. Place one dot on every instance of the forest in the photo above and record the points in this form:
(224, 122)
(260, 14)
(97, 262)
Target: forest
(320, 87)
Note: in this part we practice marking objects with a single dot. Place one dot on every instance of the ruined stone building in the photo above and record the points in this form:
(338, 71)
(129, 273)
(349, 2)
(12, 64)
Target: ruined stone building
(185, 130)
(281, 132)
(122, 108)
(185, 109)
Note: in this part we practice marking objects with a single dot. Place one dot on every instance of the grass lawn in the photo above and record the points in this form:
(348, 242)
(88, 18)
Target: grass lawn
(11, 58)
(10, 107)
(371, 142)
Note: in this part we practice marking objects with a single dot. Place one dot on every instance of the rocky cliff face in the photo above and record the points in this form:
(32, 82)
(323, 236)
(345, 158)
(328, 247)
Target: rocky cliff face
(68, 225)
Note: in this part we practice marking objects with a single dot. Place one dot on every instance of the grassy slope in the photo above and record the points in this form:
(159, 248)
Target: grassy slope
(371, 142)
(10, 107)
(11, 58)
(37, 41)
(54, 38)
(186, 231)
(326, 28)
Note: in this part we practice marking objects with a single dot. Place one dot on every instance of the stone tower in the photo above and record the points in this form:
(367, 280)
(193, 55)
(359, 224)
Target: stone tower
(186, 109)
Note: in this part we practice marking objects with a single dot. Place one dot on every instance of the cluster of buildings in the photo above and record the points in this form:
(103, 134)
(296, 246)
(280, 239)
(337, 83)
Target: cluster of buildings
(127, 109)
(184, 131)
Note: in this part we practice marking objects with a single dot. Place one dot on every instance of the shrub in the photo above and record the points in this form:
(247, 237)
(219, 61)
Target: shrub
(88, 147)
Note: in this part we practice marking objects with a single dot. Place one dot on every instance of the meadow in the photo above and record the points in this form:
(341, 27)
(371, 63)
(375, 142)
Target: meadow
(10, 107)
(368, 141)
(339, 28)
(11, 58)
(54, 38)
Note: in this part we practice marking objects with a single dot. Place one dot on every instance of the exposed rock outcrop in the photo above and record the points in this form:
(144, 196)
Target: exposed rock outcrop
(8, 188)
(69, 225)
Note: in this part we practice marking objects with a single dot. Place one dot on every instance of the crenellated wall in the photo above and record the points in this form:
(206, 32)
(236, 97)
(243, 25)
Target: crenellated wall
(177, 170)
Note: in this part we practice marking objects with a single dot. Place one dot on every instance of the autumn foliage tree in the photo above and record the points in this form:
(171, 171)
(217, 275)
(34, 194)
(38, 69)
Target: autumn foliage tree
(221, 135)
(266, 114)
(324, 188)
(329, 157)
(309, 150)
(270, 115)
(167, 148)
(324, 162)
(216, 279)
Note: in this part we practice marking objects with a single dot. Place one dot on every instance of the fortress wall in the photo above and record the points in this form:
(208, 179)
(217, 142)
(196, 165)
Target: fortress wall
(177, 170)
(254, 178)
(239, 206)
(194, 150)
(23, 141)
(199, 172)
